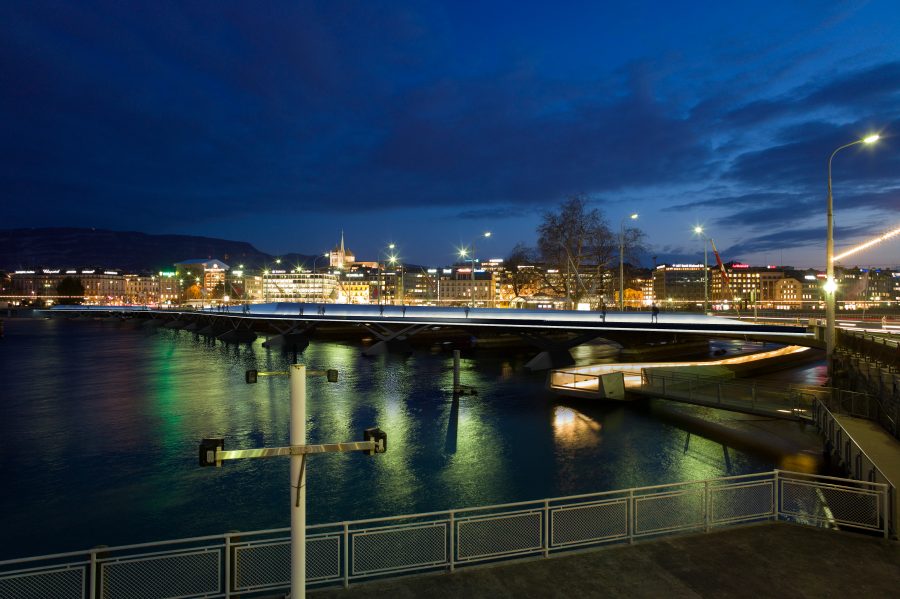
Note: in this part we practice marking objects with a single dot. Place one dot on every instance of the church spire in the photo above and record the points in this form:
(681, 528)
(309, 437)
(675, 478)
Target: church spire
(342, 244)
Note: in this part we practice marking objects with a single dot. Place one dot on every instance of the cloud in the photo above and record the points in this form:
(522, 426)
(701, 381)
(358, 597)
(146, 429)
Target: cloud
(793, 238)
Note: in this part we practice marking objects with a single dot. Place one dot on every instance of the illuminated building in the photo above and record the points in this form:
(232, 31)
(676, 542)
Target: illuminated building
(340, 257)
(208, 274)
(141, 289)
(679, 283)
(746, 283)
(299, 286)
(456, 288)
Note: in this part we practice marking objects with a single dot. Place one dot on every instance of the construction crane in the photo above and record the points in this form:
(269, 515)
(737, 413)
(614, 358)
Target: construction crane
(726, 285)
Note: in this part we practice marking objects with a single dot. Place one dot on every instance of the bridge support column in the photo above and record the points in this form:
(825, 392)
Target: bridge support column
(555, 352)
(294, 338)
(391, 340)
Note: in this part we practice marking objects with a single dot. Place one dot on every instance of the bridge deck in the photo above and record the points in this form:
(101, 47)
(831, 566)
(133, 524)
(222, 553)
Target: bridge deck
(569, 320)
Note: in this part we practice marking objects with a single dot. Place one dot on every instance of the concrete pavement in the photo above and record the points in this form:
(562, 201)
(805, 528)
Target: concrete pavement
(766, 560)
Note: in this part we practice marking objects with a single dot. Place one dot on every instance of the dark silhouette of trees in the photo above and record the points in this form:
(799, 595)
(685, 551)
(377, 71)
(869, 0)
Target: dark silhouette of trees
(580, 251)
(70, 290)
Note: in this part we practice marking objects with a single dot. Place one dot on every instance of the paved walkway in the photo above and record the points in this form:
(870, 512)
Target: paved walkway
(768, 560)
(883, 450)
(879, 445)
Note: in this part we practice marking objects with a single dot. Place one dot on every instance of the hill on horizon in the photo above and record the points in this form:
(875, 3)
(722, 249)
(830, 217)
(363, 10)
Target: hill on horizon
(61, 247)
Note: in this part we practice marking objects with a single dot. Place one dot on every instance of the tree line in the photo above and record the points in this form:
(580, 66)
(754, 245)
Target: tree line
(575, 256)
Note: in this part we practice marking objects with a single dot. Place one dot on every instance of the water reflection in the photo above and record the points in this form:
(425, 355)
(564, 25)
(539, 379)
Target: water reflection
(112, 415)
(573, 429)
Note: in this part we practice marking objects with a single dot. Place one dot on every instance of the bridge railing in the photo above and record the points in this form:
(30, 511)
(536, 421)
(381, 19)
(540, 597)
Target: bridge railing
(747, 396)
(840, 444)
(258, 563)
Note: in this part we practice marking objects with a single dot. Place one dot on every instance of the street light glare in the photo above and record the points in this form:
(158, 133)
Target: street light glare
(698, 229)
(634, 216)
(872, 138)
(487, 233)
(830, 286)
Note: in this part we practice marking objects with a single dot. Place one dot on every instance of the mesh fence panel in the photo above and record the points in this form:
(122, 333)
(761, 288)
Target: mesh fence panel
(269, 565)
(399, 548)
(499, 535)
(823, 503)
(180, 575)
(67, 583)
(668, 511)
(589, 523)
(740, 501)
(262, 565)
(323, 558)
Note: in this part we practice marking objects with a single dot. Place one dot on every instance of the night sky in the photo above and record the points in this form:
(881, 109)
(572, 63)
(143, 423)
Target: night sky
(425, 124)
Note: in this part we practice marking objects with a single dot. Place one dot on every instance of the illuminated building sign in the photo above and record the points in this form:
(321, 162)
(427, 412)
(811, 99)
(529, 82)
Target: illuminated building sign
(739, 265)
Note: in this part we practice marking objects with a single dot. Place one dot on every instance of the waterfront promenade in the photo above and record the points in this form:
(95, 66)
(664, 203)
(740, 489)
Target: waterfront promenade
(766, 560)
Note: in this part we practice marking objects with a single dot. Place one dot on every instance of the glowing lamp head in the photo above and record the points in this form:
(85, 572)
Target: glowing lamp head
(487, 233)
(390, 246)
(634, 216)
(871, 139)
(698, 229)
(830, 285)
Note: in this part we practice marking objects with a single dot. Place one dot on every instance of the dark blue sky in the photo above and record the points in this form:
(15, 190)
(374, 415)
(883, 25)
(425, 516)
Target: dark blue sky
(424, 123)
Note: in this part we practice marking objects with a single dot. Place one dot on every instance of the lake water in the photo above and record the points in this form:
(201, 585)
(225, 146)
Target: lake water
(100, 423)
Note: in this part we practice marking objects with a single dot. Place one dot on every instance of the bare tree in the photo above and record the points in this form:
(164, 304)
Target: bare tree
(523, 276)
(577, 246)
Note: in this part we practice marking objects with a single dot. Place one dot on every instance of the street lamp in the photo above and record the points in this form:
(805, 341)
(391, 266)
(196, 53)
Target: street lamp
(622, 261)
(463, 253)
(316, 260)
(392, 259)
(830, 284)
(699, 231)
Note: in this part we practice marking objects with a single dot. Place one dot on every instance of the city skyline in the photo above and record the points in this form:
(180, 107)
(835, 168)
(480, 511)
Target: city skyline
(424, 125)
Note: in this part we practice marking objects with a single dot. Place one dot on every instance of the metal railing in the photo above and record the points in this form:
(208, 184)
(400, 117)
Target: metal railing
(839, 443)
(255, 563)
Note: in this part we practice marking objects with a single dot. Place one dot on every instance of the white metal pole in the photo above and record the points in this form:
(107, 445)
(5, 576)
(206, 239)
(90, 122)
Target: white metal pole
(298, 483)
(473, 274)
(705, 279)
(622, 267)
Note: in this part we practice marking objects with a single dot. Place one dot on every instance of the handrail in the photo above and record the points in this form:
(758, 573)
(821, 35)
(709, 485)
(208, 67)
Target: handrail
(850, 437)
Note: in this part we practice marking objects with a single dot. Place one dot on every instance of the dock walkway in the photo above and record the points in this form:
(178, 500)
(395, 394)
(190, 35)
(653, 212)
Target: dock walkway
(767, 560)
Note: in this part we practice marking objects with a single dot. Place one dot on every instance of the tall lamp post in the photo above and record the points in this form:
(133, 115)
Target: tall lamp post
(392, 259)
(830, 284)
(622, 260)
(699, 231)
(463, 253)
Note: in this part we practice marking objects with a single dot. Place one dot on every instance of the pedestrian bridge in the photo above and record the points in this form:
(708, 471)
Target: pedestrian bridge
(567, 320)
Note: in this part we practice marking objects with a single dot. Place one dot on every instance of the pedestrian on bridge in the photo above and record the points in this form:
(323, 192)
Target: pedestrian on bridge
(654, 313)
(603, 311)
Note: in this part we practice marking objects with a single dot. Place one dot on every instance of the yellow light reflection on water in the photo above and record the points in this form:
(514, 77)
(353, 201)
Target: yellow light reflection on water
(573, 430)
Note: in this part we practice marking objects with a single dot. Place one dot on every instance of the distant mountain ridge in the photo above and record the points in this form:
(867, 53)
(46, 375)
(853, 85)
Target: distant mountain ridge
(62, 247)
